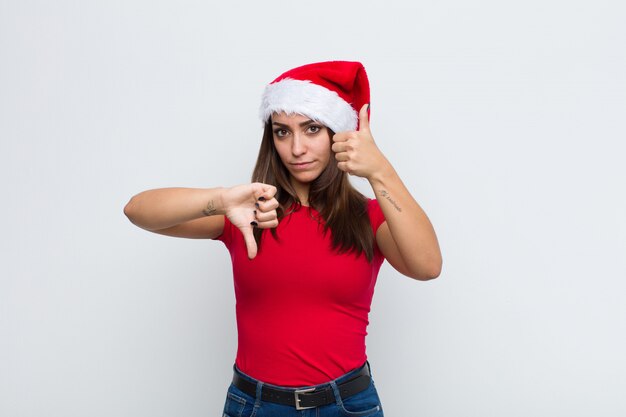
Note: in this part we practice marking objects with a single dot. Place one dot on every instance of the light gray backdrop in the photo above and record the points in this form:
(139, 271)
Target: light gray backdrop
(505, 119)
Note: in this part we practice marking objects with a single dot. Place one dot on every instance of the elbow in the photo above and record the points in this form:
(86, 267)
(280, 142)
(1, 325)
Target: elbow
(427, 272)
(136, 214)
(432, 274)
(434, 271)
(434, 267)
(129, 210)
(425, 276)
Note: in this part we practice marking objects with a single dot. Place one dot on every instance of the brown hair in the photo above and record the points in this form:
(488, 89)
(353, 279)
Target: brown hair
(341, 206)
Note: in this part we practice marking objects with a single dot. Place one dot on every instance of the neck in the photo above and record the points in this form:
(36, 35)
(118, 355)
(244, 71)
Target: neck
(302, 191)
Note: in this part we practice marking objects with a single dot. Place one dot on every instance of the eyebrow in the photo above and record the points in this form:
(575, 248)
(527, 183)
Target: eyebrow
(307, 122)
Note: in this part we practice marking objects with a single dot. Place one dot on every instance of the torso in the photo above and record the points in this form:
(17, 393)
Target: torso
(302, 309)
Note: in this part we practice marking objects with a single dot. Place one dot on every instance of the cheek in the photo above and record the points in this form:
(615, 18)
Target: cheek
(326, 152)
(281, 151)
(323, 147)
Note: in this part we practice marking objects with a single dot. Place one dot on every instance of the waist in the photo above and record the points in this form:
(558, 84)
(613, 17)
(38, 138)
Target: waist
(306, 357)
(305, 397)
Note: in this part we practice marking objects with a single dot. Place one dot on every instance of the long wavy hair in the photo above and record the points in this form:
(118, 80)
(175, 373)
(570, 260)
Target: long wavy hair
(342, 208)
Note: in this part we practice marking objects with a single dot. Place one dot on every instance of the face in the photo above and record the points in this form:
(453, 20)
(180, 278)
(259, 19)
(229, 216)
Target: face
(303, 146)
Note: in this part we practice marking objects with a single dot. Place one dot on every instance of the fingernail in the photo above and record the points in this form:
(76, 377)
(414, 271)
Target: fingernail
(253, 223)
(261, 198)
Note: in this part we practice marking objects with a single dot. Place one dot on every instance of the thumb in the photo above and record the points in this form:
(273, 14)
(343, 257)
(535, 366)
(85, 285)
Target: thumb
(364, 120)
(248, 237)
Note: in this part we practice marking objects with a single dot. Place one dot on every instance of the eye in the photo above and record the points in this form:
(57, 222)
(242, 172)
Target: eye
(314, 129)
(280, 133)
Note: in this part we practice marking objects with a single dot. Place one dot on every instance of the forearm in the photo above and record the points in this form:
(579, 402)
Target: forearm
(408, 224)
(165, 207)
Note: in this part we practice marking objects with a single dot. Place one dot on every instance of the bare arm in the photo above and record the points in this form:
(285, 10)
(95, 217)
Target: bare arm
(406, 238)
(199, 213)
(165, 207)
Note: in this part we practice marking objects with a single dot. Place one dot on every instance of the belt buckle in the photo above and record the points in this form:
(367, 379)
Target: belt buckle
(301, 391)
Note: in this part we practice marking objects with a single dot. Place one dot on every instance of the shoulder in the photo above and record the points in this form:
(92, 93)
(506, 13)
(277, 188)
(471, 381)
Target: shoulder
(375, 213)
(226, 233)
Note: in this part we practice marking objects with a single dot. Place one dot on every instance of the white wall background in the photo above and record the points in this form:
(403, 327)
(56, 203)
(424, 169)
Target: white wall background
(505, 119)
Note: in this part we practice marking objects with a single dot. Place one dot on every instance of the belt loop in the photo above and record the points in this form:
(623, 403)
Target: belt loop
(259, 394)
(333, 384)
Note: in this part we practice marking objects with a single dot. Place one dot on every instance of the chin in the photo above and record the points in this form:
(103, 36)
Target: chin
(305, 177)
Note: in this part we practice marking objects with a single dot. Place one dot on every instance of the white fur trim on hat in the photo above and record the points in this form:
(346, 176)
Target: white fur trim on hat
(309, 99)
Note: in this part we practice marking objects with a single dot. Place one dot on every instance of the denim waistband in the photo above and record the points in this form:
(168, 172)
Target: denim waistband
(338, 380)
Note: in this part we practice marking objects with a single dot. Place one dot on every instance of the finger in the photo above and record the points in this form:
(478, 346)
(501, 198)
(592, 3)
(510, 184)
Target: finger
(265, 217)
(341, 136)
(268, 224)
(266, 205)
(264, 192)
(342, 157)
(364, 120)
(339, 146)
(248, 237)
(343, 166)
(269, 191)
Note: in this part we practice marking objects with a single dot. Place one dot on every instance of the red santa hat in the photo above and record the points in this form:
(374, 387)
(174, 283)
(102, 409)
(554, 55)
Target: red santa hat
(331, 93)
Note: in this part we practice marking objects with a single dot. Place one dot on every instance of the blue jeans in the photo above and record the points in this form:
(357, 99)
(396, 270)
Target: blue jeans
(363, 404)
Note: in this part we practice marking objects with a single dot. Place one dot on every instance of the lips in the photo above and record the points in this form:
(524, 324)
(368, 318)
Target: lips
(301, 165)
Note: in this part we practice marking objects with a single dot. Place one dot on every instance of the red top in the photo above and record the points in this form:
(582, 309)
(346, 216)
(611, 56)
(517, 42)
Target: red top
(302, 309)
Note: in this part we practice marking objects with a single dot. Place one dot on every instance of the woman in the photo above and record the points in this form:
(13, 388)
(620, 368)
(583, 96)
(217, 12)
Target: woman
(304, 286)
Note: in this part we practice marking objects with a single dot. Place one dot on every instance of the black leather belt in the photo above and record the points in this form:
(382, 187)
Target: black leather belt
(306, 397)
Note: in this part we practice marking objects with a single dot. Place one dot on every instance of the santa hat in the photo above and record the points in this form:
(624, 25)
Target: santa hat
(331, 93)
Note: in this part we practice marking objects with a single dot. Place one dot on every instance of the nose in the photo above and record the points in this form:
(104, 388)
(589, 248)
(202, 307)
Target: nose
(298, 145)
